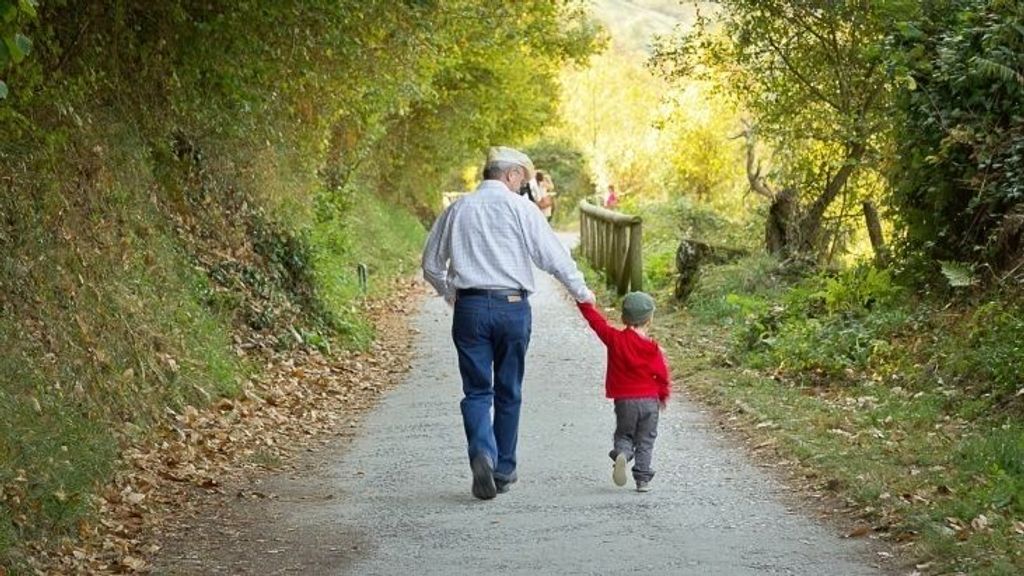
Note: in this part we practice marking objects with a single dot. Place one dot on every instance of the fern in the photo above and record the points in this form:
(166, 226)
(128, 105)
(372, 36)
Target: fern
(958, 274)
(998, 70)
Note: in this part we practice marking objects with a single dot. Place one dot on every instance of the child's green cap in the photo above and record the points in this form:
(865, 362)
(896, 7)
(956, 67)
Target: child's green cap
(637, 308)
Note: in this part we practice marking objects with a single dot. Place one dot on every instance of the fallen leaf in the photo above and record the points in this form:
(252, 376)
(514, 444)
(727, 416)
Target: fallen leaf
(980, 523)
(133, 563)
(859, 531)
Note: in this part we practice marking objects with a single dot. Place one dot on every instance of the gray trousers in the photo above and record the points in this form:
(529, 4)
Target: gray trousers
(636, 427)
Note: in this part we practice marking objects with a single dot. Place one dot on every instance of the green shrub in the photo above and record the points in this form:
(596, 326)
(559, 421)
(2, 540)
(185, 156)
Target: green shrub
(737, 292)
(985, 352)
(825, 326)
(958, 166)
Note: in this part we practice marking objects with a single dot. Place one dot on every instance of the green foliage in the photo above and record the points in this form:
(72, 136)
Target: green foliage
(856, 290)
(959, 169)
(823, 327)
(813, 78)
(14, 45)
(108, 344)
(666, 223)
(372, 232)
(829, 326)
(985, 351)
(739, 292)
(958, 274)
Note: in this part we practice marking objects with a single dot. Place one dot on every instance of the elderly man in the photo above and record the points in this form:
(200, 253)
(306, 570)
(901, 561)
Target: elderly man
(480, 257)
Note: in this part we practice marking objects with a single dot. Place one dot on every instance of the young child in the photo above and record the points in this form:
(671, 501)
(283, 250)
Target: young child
(637, 380)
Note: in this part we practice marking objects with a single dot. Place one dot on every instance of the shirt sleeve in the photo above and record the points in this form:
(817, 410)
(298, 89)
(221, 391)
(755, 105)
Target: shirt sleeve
(550, 255)
(436, 255)
(597, 321)
(661, 375)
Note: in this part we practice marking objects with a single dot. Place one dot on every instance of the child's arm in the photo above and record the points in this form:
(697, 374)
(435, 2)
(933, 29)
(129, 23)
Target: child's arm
(597, 321)
(661, 375)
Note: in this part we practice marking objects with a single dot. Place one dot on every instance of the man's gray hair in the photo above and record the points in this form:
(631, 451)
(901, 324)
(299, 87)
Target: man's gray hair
(494, 170)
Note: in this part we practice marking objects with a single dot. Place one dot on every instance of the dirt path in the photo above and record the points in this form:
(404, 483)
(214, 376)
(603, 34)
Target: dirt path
(396, 500)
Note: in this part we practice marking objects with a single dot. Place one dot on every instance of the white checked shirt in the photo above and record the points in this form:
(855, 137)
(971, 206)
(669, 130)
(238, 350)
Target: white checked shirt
(491, 239)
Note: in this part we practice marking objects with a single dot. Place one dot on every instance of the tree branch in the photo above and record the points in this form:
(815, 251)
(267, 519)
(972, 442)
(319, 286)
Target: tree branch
(753, 165)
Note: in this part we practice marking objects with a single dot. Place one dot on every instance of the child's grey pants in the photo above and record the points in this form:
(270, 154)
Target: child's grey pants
(636, 427)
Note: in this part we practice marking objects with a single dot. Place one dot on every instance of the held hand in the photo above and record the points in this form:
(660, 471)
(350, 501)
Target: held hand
(662, 405)
(450, 300)
(590, 298)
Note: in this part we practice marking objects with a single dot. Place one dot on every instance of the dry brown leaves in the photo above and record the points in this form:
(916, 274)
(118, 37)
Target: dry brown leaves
(301, 396)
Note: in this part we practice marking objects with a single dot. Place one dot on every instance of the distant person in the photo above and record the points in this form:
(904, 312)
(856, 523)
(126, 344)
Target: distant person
(637, 380)
(480, 257)
(544, 197)
(611, 201)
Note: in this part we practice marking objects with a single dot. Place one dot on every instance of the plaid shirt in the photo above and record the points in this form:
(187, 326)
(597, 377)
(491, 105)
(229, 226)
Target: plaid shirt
(491, 239)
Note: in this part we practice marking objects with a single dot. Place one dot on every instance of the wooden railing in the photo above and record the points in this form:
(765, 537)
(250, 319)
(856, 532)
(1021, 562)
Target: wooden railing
(612, 242)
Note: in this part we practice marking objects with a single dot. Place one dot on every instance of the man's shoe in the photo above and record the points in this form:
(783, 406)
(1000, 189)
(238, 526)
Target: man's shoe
(643, 486)
(483, 478)
(502, 486)
(619, 470)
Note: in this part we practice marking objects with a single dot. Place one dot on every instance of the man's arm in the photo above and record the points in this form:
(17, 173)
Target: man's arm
(551, 256)
(436, 254)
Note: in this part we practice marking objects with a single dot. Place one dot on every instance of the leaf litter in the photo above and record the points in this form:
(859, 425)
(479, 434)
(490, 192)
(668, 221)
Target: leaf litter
(300, 397)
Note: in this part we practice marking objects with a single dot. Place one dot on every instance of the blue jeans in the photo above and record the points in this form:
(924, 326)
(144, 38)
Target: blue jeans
(491, 334)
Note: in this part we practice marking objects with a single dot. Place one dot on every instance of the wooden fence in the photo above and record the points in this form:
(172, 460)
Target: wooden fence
(612, 242)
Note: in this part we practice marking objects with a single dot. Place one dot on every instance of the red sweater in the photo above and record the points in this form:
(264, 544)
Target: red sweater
(636, 364)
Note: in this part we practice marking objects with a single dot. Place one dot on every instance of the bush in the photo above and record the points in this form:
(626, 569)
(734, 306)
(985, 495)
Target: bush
(665, 224)
(738, 292)
(826, 326)
(959, 162)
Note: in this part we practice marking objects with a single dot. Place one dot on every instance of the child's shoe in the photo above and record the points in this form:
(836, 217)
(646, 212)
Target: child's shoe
(619, 470)
(643, 486)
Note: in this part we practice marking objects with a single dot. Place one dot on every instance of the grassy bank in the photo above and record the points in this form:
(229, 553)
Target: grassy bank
(141, 298)
(908, 409)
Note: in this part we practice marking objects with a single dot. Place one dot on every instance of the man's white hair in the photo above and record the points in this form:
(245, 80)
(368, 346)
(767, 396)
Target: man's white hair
(495, 169)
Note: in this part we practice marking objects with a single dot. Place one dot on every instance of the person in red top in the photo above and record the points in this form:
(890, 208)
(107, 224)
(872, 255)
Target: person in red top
(611, 201)
(637, 380)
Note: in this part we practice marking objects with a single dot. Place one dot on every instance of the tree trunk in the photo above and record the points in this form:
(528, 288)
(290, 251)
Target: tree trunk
(691, 256)
(810, 223)
(781, 224)
(875, 233)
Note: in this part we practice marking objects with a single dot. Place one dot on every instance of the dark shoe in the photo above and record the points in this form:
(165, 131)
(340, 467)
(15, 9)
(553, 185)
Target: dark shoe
(483, 478)
(502, 486)
(643, 486)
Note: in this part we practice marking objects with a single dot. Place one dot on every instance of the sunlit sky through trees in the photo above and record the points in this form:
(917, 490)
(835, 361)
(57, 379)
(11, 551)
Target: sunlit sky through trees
(651, 139)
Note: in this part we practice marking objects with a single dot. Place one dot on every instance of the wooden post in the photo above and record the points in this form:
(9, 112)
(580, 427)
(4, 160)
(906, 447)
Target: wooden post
(613, 262)
(609, 253)
(875, 234)
(622, 266)
(636, 257)
(583, 235)
(606, 256)
(593, 242)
